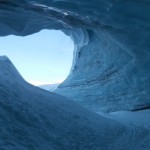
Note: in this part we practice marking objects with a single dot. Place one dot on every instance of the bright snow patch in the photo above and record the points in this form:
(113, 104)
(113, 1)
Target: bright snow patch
(49, 87)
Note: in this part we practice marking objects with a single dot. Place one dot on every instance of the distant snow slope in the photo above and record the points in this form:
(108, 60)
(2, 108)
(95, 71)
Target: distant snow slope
(34, 119)
(49, 87)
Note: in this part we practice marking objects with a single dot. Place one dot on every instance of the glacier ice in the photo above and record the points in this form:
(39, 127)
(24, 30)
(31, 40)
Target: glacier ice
(111, 38)
(110, 73)
(32, 118)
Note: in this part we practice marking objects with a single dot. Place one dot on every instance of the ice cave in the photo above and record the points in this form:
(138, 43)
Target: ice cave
(104, 102)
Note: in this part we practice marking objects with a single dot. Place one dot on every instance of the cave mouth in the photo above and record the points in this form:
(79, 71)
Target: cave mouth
(41, 58)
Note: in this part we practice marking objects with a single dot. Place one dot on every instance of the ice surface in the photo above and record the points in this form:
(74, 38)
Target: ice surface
(111, 38)
(32, 118)
(138, 118)
(110, 73)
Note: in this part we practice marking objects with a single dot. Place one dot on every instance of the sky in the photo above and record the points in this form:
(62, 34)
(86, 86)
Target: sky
(41, 58)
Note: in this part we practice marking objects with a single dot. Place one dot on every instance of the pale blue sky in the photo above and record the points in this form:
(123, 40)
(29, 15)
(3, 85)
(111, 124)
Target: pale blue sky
(41, 58)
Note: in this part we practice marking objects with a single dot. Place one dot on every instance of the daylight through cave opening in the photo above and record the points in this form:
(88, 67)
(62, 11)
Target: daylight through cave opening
(41, 58)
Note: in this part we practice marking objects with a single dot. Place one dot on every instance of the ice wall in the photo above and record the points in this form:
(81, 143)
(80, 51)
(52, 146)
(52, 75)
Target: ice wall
(34, 119)
(110, 69)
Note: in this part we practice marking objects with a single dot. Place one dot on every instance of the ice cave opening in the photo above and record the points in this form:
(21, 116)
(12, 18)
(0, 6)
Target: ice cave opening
(104, 102)
(43, 58)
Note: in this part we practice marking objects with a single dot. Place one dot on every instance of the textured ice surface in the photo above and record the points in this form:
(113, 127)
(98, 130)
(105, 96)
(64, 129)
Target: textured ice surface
(34, 119)
(110, 69)
(110, 72)
(111, 37)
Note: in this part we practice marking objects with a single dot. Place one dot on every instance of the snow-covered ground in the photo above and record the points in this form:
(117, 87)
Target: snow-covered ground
(49, 87)
(34, 119)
